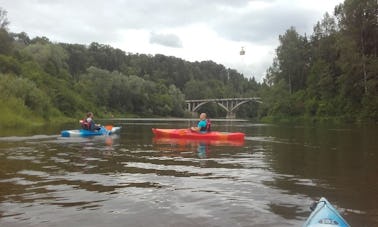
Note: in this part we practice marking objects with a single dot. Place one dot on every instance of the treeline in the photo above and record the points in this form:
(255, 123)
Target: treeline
(43, 80)
(334, 72)
(330, 74)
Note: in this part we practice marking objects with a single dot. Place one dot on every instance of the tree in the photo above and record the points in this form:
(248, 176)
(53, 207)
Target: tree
(50, 56)
(26, 91)
(358, 20)
(196, 89)
(323, 72)
(273, 73)
(292, 56)
(21, 39)
(178, 100)
(78, 59)
(5, 38)
(96, 85)
(3, 19)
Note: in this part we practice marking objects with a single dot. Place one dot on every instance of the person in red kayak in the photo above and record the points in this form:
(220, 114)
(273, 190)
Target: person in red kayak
(203, 125)
(88, 123)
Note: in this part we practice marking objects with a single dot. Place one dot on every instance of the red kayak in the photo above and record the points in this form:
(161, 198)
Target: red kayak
(189, 134)
(183, 142)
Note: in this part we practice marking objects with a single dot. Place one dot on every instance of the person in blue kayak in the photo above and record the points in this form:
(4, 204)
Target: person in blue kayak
(204, 124)
(88, 123)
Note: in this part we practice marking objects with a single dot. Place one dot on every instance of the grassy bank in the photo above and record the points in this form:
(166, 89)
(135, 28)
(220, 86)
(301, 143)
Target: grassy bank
(15, 114)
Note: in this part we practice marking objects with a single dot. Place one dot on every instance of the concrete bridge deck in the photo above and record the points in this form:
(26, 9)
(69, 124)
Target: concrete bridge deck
(231, 105)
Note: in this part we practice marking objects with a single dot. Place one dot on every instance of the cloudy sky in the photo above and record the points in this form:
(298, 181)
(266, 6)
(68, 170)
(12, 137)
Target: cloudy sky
(194, 30)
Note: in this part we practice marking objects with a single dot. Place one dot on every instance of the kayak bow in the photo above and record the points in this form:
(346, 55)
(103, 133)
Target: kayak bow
(323, 215)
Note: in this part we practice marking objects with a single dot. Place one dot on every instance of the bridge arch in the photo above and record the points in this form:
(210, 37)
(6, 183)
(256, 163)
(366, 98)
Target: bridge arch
(231, 105)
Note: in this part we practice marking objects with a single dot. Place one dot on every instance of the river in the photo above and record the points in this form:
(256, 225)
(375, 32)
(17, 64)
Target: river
(132, 179)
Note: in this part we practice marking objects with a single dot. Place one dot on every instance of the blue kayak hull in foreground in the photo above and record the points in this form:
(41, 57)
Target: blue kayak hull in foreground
(325, 215)
(86, 133)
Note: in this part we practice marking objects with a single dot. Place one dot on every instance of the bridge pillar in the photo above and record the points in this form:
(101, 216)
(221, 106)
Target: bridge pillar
(194, 114)
(231, 115)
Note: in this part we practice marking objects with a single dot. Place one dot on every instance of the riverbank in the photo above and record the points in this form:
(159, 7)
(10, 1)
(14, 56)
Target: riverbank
(279, 119)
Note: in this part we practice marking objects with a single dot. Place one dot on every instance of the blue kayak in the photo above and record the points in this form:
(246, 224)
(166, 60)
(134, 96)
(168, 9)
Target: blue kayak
(86, 133)
(324, 214)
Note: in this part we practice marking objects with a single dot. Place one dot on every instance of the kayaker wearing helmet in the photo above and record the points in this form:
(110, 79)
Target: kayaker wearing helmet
(203, 125)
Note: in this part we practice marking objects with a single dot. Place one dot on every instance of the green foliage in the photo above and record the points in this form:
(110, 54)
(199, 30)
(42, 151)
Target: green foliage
(13, 113)
(9, 64)
(53, 58)
(6, 45)
(195, 89)
(340, 76)
(25, 90)
(370, 108)
(292, 56)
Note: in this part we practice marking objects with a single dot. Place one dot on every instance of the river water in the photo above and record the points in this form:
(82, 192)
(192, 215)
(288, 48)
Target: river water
(132, 179)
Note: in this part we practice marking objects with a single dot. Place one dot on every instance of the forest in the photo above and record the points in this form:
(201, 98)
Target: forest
(331, 74)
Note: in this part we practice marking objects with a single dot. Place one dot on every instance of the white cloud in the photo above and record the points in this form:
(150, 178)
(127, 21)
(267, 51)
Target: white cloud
(168, 40)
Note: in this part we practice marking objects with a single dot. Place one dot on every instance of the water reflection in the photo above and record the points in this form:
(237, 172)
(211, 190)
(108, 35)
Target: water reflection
(337, 163)
(203, 150)
(184, 146)
(134, 179)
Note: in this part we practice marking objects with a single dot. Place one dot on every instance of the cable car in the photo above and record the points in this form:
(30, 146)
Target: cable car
(242, 51)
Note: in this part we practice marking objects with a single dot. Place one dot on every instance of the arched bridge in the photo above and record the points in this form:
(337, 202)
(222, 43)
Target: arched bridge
(229, 104)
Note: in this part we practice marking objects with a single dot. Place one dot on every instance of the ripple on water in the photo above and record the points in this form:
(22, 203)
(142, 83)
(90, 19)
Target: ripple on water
(27, 138)
(64, 182)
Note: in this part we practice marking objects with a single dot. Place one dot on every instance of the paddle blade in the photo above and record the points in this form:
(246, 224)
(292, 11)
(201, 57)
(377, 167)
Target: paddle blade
(109, 127)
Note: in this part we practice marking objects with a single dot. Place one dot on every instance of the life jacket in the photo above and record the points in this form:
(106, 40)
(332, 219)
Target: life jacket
(85, 124)
(207, 128)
